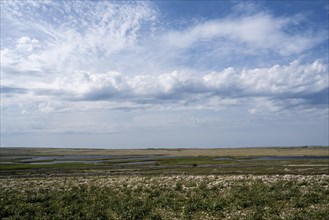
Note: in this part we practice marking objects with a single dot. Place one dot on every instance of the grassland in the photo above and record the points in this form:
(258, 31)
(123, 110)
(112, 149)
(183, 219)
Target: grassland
(164, 184)
(25, 161)
(166, 197)
(181, 152)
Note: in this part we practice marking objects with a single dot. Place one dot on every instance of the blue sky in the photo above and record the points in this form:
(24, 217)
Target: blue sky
(140, 74)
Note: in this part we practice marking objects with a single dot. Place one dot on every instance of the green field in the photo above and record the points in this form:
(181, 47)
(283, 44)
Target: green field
(165, 183)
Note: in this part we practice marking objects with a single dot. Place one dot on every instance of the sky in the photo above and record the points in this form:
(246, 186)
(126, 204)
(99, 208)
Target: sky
(164, 74)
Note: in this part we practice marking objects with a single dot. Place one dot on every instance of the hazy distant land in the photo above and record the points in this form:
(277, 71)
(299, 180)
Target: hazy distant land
(242, 152)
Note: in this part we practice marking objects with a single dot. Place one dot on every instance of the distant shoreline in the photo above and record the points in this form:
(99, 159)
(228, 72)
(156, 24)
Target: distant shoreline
(235, 152)
(165, 148)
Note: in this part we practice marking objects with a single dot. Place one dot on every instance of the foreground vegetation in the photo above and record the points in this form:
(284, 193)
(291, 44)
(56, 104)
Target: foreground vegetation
(164, 184)
(166, 197)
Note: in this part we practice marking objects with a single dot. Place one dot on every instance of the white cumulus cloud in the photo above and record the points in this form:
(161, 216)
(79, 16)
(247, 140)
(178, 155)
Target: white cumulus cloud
(278, 83)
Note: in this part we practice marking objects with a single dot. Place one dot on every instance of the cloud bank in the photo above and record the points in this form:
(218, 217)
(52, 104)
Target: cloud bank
(296, 81)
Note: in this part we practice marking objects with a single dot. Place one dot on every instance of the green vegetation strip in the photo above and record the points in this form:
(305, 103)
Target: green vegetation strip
(177, 165)
(166, 197)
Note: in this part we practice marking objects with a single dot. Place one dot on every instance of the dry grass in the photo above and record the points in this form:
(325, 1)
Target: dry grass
(234, 152)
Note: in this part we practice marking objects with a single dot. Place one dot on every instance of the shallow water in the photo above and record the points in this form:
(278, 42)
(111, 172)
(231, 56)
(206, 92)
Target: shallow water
(138, 163)
(293, 158)
(282, 158)
(87, 159)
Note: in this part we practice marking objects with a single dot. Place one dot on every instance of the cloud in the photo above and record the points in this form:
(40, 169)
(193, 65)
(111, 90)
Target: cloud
(277, 80)
(293, 84)
(255, 33)
(26, 44)
(12, 90)
(70, 34)
(60, 37)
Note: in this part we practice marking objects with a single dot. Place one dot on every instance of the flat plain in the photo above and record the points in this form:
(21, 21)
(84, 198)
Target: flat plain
(260, 151)
(238, 183)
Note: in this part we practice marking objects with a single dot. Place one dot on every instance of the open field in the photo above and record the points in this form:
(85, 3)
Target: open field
(248, 183)
(235, 152)
(37, 161)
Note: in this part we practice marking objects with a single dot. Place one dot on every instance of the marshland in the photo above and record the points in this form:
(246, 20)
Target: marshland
(245, 183)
